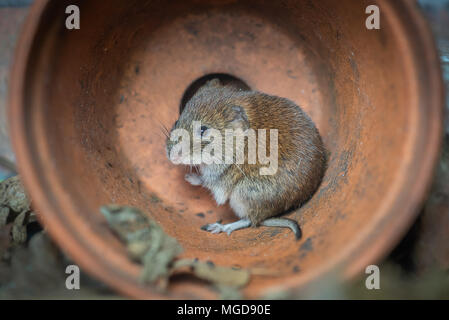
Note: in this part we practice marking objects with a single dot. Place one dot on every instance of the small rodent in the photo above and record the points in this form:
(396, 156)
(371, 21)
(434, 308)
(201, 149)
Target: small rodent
(256, 199)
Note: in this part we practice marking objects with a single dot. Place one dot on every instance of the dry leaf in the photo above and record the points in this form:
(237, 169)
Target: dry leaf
(146, 241)
(12, 195)
(19, 230)
(149, 244)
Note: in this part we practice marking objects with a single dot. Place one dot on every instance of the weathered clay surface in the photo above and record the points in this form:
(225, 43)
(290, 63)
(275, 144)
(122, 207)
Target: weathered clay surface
(87, 132)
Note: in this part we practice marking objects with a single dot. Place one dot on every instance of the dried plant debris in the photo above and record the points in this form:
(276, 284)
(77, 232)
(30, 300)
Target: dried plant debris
(15, 208)
(17, 221)
(19, 230)
(148, 244)
(12, 195)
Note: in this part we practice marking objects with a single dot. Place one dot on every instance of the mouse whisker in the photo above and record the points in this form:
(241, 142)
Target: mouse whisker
(164, 132)
(164, 129)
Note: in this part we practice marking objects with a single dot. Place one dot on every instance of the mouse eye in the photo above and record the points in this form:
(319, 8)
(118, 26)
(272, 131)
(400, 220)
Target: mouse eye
(203, 129)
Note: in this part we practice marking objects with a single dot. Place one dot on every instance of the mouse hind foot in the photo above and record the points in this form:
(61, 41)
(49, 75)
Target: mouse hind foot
(284, 223)
(228, 228)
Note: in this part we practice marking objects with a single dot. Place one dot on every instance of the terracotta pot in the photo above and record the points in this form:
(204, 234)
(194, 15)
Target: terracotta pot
(86, 107)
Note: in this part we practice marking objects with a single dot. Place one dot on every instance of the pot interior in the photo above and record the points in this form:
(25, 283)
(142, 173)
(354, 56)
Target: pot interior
(99, 96)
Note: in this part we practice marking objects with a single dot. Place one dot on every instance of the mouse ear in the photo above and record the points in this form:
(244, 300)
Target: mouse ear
(239, 118)
(214, 83)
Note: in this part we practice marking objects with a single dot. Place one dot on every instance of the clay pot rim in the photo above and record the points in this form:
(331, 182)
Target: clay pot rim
(72, 242)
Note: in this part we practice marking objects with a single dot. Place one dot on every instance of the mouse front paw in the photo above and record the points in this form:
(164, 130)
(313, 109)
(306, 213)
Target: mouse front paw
(193, 179)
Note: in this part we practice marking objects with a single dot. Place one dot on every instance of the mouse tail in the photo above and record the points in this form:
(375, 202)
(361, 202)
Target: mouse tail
(284, 223)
